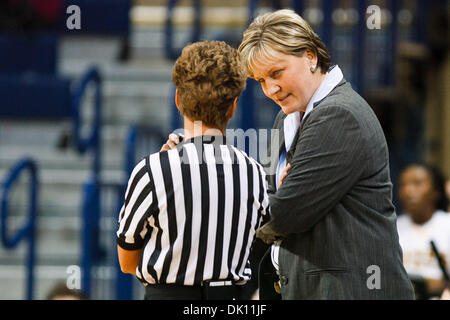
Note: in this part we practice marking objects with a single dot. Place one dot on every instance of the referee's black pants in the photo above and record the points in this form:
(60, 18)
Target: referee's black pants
(205, 292)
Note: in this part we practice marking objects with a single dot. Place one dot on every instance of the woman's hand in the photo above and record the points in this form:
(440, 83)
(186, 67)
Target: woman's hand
(284, 174)
(267, 234)
(170, 143)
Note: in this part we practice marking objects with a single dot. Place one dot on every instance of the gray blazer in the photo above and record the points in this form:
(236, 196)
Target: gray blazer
(334, 209)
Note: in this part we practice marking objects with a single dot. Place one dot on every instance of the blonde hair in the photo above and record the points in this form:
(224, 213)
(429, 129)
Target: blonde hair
(282, 31)
(209, 75)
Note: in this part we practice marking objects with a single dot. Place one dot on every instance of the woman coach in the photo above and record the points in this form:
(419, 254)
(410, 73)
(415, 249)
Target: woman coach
(332, 216)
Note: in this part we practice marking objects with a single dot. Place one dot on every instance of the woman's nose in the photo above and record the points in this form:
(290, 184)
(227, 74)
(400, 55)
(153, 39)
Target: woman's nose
(273, 89)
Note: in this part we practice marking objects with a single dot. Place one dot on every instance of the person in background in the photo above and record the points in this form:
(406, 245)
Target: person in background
(424, 219)
(60, 291)
(446, 294)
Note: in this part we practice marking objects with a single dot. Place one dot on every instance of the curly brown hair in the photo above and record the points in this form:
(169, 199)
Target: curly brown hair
(209, 75)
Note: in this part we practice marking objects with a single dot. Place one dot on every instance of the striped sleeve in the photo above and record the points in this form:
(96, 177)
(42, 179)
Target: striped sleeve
(263, 191)
(133, 217)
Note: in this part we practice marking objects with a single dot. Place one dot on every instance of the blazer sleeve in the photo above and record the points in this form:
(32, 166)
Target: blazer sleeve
(327, 162)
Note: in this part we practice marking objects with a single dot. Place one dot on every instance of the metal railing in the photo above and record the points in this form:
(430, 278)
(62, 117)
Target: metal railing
(90, 247)
(91, 191)
(28, 231)
(170, 50)
(92, 142)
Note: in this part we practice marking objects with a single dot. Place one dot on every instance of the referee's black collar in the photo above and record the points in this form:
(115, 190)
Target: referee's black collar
(206, 139)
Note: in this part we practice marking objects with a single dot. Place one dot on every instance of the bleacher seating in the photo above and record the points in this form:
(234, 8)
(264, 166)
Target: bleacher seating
(36, 52)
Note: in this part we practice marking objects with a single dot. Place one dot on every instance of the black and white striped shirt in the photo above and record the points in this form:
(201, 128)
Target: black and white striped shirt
(195, 210)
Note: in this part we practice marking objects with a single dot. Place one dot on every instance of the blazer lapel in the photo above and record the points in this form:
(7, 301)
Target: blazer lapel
(281, 145)
(290, 152)
(276, 148)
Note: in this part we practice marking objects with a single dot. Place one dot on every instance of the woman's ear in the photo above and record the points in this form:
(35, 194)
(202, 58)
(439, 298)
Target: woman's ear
(177, 100)
(311, 57)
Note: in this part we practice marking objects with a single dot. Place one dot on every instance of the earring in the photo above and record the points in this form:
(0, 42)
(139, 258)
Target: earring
(313, 69)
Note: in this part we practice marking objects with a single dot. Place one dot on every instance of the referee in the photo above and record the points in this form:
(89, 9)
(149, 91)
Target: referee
(191, 212)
